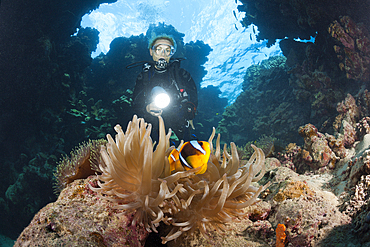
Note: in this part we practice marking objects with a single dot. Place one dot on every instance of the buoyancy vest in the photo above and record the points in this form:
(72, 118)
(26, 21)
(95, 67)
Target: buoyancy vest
(169, 79)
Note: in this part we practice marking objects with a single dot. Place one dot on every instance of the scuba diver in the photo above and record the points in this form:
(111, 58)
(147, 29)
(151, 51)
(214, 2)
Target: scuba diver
(164, 89)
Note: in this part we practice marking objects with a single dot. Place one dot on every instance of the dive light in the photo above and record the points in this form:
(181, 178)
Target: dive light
(160, 97)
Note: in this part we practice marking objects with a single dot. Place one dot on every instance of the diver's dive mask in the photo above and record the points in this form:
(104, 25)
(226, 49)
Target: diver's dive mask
(164, 49)
(161, 64)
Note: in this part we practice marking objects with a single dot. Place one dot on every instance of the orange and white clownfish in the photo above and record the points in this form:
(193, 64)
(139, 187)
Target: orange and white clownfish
(191, 155)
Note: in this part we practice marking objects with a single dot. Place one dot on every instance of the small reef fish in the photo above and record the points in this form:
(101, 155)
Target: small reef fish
(191, 155)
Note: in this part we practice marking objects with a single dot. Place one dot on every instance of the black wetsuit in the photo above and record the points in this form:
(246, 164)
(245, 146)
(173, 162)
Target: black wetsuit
(181, 88)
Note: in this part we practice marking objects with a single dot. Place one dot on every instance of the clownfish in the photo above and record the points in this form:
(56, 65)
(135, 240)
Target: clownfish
(191, 155)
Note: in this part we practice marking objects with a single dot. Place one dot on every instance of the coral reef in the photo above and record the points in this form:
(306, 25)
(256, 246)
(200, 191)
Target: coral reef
(348, 180)
(138, 188)
(363, 101)
(44, 63)
(26, 194)
(358, 207)
(292, 157)
(316, 152)
(51, 70)
(315, 88)
(321, 150)
(353, 189)
(359, 164)
(265, 107)
(308, 212)
(348, 111)
(316, 209)
(353, 48)
(293, 190)
(266, 143)
(316, 80)
(243, 232)
(92, 117)
(363, 128)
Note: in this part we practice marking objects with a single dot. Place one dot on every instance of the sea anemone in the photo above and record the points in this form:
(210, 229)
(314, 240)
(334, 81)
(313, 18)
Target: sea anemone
(83, 162)
(139, 179)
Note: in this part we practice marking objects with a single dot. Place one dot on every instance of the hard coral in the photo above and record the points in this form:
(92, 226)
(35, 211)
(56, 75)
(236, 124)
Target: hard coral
(137, 178)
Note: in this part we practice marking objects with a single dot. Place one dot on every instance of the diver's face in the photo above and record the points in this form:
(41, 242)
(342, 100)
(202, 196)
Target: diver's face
(162, 48)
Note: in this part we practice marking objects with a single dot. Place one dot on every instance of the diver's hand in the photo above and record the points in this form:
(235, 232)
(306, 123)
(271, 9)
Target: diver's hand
(153, 110)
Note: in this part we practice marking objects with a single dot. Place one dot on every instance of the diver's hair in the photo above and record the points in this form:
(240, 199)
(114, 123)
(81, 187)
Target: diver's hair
(156, 37)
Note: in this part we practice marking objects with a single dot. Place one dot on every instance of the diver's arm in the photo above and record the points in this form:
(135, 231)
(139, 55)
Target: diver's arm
(141, 104)
(139, 96)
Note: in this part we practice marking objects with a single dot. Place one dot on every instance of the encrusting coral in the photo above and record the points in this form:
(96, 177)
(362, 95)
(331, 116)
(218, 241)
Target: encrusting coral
(138, 179)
